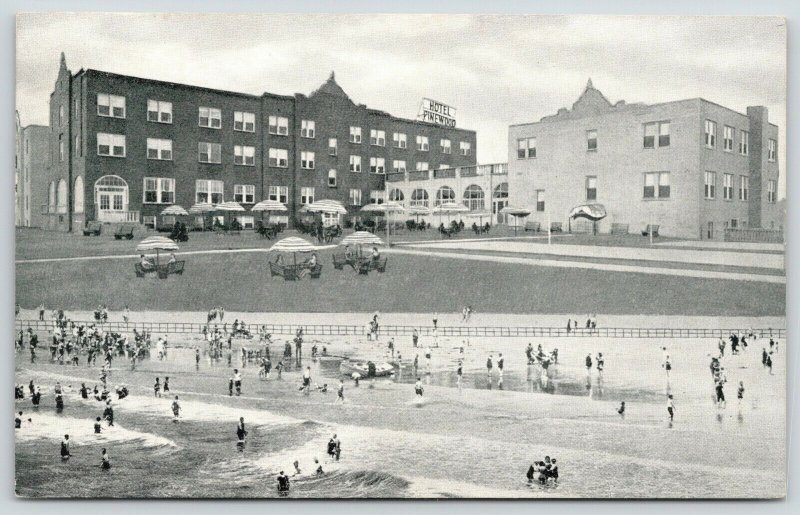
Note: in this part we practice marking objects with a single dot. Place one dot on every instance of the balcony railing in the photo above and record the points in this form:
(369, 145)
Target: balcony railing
(444, 173)
(395, 177)
(117, 216)
(419, 175)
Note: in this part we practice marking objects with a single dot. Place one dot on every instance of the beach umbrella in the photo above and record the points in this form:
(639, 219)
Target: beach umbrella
(516, 212)
(479, 214)
(294, 245)
(174, 210)
(360, 238)
(325, 206)
(201, 208)
(593, 212)
(268, 206)
(449, 208)
(386, 208)
(230, 207)
(157, 243)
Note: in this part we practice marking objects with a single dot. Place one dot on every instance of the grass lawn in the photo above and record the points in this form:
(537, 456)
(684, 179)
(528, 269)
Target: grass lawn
(241, 282)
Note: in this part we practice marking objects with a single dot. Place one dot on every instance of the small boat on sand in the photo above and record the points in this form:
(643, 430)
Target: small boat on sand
(366, 368)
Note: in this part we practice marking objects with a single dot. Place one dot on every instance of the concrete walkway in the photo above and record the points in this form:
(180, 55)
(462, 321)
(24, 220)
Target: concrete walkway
(705, 257)
(675, 272)
(725, 245)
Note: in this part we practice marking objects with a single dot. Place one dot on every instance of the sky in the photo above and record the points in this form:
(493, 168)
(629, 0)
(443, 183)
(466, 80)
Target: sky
(495, 70)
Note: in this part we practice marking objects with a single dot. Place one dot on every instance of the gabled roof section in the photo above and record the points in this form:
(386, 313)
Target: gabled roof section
(591, 102)
(330, 87)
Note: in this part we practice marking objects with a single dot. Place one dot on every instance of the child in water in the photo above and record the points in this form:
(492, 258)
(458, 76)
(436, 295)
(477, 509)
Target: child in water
(418, 387)
(176, 409)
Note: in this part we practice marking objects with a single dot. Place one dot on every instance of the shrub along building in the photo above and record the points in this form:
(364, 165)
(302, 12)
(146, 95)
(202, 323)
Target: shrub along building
(690, 166)
(123, 148)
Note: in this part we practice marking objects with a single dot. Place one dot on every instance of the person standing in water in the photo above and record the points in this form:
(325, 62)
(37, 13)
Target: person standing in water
(166, 385)
(340, 392)
(241, 432)
(460, 375)
(105, 462)
(500, 363)
(65, 454)
(740, 393)
(307, 381)
(283, 484)
(621, 409)
(176, 409)
(98, 427)
(157, 388)
(237, 381)
(418, 387)
(670, 407)
(59, 398)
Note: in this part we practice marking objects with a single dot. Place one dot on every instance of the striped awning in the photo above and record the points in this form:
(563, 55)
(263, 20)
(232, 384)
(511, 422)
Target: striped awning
(361, 238)
(418, 210)
(156, 243)
(269, 205)
(175, 210)
(293, 244)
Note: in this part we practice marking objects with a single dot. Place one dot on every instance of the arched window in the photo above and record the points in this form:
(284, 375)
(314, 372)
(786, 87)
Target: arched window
(419, 197)
(51, 198)
(396, 195)
(77, 195)
(445, 195)
(473, 197)
(331, 178)
(501, 191)
(61, 197)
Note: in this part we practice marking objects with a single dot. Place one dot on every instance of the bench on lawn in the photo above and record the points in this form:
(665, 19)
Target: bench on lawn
(141, 271)
(92, 229)
(555, 227)
(365, 265)
(650, 228)
(619, 228)
(289, 273)
(124, 231)
(532, 226)
(171, 268)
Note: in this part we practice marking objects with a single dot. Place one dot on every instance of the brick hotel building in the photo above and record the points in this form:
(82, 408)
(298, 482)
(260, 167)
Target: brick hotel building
(123, 148)
(690, 166)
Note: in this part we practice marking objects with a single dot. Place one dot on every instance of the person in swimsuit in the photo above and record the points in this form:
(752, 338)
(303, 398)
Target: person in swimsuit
(600, 363)
(740, 392)
(621, 409)
(157, 388)
(418, 387)
(307, 381)
(588, 363)
(176, 409)
(459, 375)
(340, 392)
(59, 398)
(670, 407)
(166, 384)
(98, 428)
(105, 463)
(18, 421)
(241, 432)
(283, 484)
(237, 381)
(65, 455)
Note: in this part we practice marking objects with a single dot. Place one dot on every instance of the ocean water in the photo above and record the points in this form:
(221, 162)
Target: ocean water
(474, 443)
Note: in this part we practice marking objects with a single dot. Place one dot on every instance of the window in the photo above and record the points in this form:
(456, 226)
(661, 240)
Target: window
(711, 133)
(771, 191)
(159, 190)
(727, 186)
(591, 140)
(734, 223)
(710, 184)
(445, 195)
(332, 146)
(772, 150)
(61, 115)
(656, 132)
(422, 165)
(398, 165)
(396, 195)
(355, 134)
(107, 145)
(77, 141)
(279, 125)
(355, 163)
(245, 122)
(77, 195)
(744, 143)
(279, 194)
(209, 152)
(744, 187)
(307, 128)
(159, 149)
(377, 196)
(377, 137)
(540, 200)
(355, 197)
(727, 139)
(473, 197)
(210, 117)
(306, 196)
(419, 197)
(307, 160)
(526, 148)
(61, 152)
(377, 165)
(244, 193)
(159, 111)
(279, 157)
(444, 145)
(148, 220)
(243, 155)
(331, 178)
(422, 143)
(208, 191)
(400, 140)
(108, 105)
(466, 148)
(591, 187)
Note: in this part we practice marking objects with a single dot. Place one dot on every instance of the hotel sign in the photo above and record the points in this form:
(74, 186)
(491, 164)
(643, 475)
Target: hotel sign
(432, 111)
